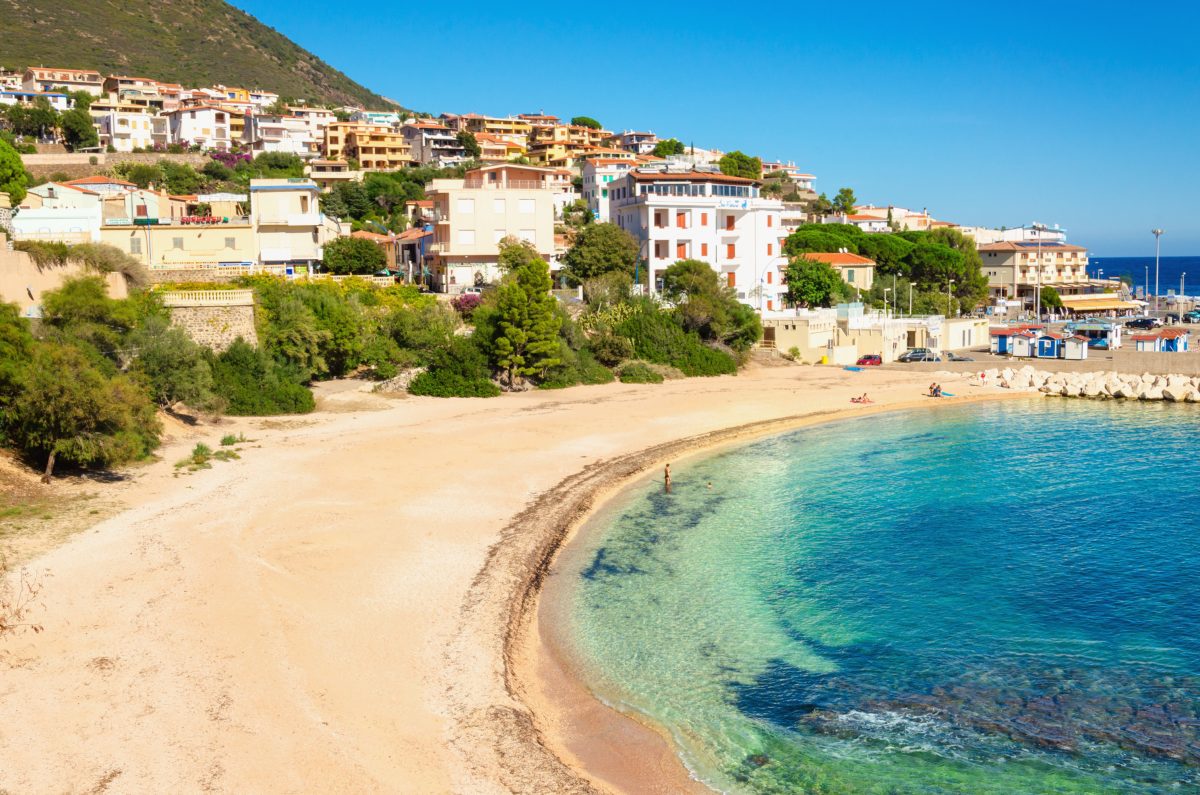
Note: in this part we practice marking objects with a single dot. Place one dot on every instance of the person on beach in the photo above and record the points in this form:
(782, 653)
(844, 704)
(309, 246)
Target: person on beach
(863, 399)
(667, 478)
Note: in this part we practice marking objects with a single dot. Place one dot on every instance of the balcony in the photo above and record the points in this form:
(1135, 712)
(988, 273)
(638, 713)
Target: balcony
(295, 219)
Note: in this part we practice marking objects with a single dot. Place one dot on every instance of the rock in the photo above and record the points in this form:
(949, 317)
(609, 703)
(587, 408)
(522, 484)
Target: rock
(1091, 389)
(1173, 394)
(1152, 393)
(1072, 390)
(1192, 396)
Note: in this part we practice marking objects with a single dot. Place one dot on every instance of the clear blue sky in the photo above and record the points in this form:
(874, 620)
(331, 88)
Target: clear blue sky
(1081, 114)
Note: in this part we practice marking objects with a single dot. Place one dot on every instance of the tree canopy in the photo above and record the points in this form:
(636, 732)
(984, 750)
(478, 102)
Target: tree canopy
(811, 283)
(709, 308)
(599, 249)
(586, 121)
(844, 201)
(668, 147)
(470, 145)
(353, 255)
(12, 173)
(739, 164)
(525, 341)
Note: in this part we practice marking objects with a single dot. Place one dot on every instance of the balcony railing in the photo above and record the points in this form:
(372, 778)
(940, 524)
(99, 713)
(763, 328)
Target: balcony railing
(512, 184)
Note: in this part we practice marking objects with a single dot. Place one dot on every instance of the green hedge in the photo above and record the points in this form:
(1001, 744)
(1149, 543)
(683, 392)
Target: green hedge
(657, 337)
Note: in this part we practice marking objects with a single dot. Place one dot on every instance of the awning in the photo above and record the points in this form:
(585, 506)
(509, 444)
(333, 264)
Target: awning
(1102, 302)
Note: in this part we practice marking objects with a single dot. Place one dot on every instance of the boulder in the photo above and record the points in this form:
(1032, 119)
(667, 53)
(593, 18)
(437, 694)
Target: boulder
(1192, 396)
(1091, 389)
(1071, 390)
(1172, 393)
(1151, 393)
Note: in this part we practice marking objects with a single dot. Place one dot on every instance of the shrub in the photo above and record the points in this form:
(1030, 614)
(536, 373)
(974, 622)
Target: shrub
(574, 368)
(457, 370)
(229, 440)
(254, 384)
(611, 349)
(466, 304)
(353, 255)
(639, 373)
(657, 337)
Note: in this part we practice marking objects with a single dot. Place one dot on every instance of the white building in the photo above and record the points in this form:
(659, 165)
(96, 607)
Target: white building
(598, 175)
(125, 131)
(390, 118)
(58, 213)
(39, 78)
(206, 125)
(867, 223)
(288, 134)
(291, 230)
(433, 144)
(59, 102)
(680, 214)
(640, 143)
(262, 99)
(1019, 234)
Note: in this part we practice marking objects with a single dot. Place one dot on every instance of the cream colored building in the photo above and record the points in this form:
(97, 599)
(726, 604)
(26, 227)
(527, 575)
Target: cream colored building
(169, 244)
(472, 215)
(1014, 269)
(290, 228)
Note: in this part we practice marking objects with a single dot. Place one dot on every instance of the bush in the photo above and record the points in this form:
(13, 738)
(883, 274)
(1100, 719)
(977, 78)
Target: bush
(254, 384)
(639, 373)
(575, 368)
(457, 370)
(466, 304)
(657, 337)
(610, 349)
(353, 255)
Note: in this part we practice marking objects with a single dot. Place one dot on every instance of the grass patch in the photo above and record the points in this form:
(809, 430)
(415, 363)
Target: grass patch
(229, 440)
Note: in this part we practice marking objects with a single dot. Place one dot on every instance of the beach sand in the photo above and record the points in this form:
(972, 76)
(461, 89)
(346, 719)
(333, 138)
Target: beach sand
(349, 607)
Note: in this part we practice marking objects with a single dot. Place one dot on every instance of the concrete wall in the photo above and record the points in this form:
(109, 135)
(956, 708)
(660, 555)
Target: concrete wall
(80, 165)
(1127, 360)
(23, 283)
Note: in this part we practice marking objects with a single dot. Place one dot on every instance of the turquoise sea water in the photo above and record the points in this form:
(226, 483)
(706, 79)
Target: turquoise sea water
(992, 598)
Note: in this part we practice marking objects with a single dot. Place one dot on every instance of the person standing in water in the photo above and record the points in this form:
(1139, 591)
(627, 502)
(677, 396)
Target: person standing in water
(667, 478)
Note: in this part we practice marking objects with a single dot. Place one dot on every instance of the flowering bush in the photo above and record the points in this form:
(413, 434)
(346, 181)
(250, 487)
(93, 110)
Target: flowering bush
(466, 304)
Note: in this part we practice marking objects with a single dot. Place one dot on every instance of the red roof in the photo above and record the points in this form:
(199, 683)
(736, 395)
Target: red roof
(838, 258)
(413, 234)
(1173, 333)
(98, 180)
(363, 234)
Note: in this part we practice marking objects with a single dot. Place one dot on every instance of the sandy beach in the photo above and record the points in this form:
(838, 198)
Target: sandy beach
(351, 606)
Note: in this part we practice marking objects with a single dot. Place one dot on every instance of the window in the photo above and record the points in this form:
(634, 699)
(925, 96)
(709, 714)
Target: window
(135, 245)
(770, 221)
(770, 249)
(729, 222)
(230, 242)
(604, 193)
(466, 237)
(528, 235)
(681, 219)
(704, 249)
(770, 276)
(681, 250)
(703, 219)
(731, 279)
(304, 204)
(660, 249)
(770, 304)
(730, 251)
(465, 206)
(849, 275)
(660, 219)
(498, 206)
(177, 242)
(525, 206)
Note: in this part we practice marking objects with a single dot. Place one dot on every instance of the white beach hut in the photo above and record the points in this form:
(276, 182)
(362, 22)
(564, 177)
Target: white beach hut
(1074, 348)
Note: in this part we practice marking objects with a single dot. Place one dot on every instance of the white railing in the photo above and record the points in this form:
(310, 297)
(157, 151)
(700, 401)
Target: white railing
(208, 298)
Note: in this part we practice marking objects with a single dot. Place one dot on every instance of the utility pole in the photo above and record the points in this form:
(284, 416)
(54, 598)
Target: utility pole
(1158, 233)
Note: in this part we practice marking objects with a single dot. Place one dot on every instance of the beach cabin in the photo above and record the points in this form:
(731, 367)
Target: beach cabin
(1171, 340)
(1074, 348)
(1023, 344)
(1000, 337)
(1047, 346)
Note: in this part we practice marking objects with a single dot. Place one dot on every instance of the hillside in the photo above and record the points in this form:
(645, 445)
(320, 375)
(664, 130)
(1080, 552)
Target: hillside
(193, 42)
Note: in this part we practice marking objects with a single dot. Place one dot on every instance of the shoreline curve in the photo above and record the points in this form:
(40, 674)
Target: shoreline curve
(527, 732)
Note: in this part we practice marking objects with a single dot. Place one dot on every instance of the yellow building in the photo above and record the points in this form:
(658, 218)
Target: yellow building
(376, 148)
(515, 130)
(496, 149)
(856, 271)
(170, 244)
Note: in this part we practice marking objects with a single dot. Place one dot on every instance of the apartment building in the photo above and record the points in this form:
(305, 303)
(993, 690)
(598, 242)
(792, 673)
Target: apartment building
(388, 118)
(539, 119)
(1015, 269)
(494, 149)
(206, 125)
(40, 78)
(688, 214)
(433, 144)
(55, 212)
(125, 130)
(262, 99)
(289, 227)
(639, 143)
(513, 130)
(317, 119)
(328, 173)
(472, 215)
(273, 133)
(377, 147)
(598, 174)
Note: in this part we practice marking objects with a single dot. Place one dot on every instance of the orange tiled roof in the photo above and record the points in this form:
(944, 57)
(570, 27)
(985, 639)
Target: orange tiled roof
(838, 258)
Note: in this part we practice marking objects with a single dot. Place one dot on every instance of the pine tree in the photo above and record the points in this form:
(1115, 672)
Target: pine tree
(526, 337)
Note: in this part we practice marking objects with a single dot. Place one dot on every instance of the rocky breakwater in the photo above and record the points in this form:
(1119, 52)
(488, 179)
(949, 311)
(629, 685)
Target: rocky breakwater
(1099, 385)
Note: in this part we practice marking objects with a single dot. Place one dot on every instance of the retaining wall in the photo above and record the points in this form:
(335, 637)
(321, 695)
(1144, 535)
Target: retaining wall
(218, 323)
(80, 165)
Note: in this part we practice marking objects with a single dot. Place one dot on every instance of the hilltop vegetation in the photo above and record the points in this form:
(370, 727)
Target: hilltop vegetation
(192, 42)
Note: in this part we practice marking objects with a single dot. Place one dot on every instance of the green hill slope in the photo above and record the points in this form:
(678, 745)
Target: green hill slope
(193, 42)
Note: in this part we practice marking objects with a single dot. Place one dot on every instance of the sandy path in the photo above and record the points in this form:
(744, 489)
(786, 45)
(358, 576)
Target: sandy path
(313, 616)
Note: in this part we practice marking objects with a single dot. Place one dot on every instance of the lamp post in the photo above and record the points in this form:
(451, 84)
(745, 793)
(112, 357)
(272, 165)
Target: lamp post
(1179, 304)
(1146, 287)
(886, 290)
(1158, 233)
(1040, 229)
(911, 285)
(949, 284)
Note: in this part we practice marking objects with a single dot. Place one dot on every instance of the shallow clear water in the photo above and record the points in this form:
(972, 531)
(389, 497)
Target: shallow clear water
(993, 598)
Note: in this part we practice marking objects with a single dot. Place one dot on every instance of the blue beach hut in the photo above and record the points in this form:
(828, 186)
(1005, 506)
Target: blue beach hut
(1047, 346)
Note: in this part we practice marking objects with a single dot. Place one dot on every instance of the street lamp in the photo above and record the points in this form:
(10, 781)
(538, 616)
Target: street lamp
(1179, 306)
(911, 285)
(886, 290)
(949, 284)
(1158, 233)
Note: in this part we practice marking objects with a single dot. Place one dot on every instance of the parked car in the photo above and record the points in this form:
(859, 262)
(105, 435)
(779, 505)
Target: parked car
(1192, 317)
(1143, 323)
(473, 291)
(918, 355)
(954, 357)
(870, 360)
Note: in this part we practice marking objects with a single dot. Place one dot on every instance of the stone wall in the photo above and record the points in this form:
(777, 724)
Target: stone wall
(214, 318)
(185, 275)
(79, 165)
